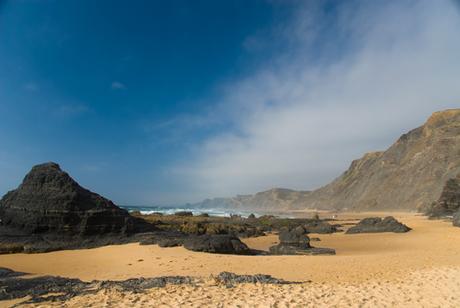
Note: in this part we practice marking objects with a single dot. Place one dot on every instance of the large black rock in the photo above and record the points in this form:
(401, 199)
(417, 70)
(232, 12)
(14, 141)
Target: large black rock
(449, 200)
(219, 243)
(319, 226)
(296, 242)
(50, 201)
(456, 219)
(377, 224)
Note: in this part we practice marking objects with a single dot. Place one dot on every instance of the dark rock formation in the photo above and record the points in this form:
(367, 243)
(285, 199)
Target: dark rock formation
(183, 213)
(211, 228)
(226, 244)
(230, 279)
(49, 200)
(164, 239)
(51, 288)
(449, 200)
(456, 219)
(295, 242)
(252, 216)
(319, 227)
(377, 224)
(15, 285)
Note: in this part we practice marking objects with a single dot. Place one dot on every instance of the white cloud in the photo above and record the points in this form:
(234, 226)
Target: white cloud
(116, 85)
(302, 119)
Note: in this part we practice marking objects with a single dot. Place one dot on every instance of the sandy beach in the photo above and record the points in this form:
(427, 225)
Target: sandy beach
(420, 268)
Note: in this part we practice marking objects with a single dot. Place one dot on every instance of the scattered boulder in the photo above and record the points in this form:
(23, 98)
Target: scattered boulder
(296, 242)
(319, 227)
(377, 224)
(220, 243)
(49, 200)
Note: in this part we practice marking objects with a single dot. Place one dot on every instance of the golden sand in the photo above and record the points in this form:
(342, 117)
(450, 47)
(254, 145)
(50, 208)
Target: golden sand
(420, 268)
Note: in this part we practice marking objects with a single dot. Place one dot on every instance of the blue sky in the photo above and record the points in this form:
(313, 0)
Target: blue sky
(164, 102)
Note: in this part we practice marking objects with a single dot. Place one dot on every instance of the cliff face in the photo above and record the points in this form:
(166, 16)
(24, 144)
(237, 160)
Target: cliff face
(410, 175)
(276, 199)
(49, 200)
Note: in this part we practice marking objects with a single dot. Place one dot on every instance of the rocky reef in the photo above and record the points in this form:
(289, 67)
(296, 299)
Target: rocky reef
(377, 224)
(296, 242)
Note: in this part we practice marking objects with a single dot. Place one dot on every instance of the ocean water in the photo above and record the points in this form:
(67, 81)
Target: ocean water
(168, 210)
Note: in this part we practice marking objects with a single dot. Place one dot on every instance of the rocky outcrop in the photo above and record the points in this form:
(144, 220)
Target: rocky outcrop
(377, 224)
(50, 201)
(319, 226)
(296, 242)
(449, 201)
(46, 290)
(230, 279)
(409, 175)
(456, 219)
(222, 243)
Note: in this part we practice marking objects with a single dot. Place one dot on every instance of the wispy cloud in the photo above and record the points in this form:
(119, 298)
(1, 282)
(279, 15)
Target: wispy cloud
(116, 85)
(301, 119)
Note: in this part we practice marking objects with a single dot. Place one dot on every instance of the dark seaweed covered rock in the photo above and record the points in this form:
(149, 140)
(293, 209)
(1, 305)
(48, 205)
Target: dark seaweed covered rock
(219, 243)
(296, 241)
(449, 200)
(49, 200)
(45, 289)
(51, 288)
(377, 224)
(230, 279)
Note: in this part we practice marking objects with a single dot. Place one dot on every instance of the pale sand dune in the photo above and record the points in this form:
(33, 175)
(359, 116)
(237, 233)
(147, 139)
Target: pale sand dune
(420, 269)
